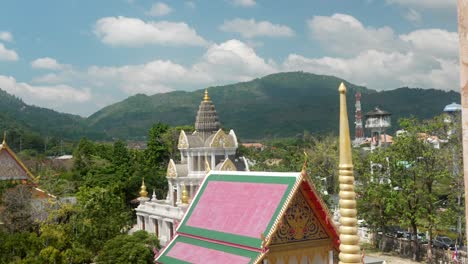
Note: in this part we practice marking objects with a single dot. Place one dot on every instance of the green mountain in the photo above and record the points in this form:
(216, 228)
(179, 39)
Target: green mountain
(30, 126)
(278, 105)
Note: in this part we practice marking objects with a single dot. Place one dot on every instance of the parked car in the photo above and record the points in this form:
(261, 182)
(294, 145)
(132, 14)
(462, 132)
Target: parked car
(443, 242)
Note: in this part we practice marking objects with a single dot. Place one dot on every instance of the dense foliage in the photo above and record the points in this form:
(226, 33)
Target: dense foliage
(105, 180)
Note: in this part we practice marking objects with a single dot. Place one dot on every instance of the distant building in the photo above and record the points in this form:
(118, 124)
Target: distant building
(377, 121)
(11, 167)
(208, 147)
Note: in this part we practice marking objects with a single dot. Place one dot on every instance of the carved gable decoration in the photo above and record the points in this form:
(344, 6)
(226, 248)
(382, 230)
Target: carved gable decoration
(228, 166)
(299, 223)
(183, 141)
(219, 139)
(171, 169)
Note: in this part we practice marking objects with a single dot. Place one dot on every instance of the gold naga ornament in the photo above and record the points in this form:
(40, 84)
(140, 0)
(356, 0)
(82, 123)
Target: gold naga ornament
(349, 240)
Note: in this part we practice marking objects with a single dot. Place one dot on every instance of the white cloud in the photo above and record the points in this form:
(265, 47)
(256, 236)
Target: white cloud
(375, 69)
(435, 42)
(230, 61)
(54, 96)
(426, 4)
(413, 16)
(126, 31)
(344, 34)
(48, 64)
(249, 28)
(245, 3)
(7, 54)
(233, 60)
(6, 36)
(159, 9)
(379, 58)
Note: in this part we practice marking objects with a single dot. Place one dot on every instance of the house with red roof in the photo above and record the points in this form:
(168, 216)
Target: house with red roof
(254, 217)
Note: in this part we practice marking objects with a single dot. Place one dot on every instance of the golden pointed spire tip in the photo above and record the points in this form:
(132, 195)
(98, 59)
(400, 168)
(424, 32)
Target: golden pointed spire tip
(206, 98)
(143, 192)
(4, 138)
(342, 88)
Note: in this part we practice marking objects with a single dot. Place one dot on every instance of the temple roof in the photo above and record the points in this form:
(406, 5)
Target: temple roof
(207, 121)
(235, 216)
(11, 167)
(378, 112)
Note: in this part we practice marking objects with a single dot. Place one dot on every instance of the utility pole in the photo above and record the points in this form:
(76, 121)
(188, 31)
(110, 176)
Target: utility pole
(463, 38)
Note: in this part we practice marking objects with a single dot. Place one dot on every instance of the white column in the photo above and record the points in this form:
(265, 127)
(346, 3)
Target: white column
(189, 161)
(213, 157)
(179, 192)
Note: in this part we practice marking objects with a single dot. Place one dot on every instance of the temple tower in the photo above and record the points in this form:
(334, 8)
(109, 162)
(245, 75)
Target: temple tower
(377, 121)
(206, 122)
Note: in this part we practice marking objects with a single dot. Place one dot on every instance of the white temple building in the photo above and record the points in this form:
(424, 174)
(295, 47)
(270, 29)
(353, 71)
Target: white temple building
(208, 147)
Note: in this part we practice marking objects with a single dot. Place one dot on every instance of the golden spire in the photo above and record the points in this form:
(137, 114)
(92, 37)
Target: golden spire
(4, 138)
(206, 98)
(185, 198)
(143, 192)
(349, 247)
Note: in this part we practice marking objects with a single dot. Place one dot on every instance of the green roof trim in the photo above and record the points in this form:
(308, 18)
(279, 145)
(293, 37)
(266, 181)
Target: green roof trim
(234, 238)
(201, 243)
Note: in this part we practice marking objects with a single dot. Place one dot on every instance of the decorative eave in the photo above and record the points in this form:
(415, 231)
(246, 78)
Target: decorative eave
(234, 138)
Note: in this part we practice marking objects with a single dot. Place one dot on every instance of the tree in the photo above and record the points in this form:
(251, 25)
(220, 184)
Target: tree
(412, 190)
(101, 215)
(157, 152)
(82, 156)
(136, 248)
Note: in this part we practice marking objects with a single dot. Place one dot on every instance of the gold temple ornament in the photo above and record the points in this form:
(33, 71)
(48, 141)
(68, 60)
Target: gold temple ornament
(349, 247)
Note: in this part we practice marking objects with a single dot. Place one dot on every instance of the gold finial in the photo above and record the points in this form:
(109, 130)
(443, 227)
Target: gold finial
(185, 198)
(206, 98)
(4, 138)
(342, 88)
(143, 192)
(349, 248)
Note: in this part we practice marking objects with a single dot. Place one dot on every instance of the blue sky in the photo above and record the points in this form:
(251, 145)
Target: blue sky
(78, 56)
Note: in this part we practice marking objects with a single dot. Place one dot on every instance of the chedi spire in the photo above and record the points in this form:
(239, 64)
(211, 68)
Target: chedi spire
(207, 121)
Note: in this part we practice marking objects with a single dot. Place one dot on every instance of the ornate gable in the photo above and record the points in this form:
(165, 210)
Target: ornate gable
(299, 223)
(171, 169)
(11, 168)
(183, 141)
(228, 166)
(222, 140)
